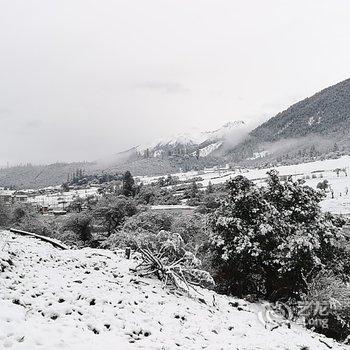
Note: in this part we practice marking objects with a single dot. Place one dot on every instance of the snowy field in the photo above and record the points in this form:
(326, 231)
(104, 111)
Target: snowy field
(88, 300)
(312, 173)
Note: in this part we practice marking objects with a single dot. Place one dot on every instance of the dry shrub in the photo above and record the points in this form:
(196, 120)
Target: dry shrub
(327, 306)
(165, 256)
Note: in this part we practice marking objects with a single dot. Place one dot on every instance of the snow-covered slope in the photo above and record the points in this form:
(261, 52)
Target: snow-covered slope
(205, 151)
(231, 132)
(88, 300)
(226, 130)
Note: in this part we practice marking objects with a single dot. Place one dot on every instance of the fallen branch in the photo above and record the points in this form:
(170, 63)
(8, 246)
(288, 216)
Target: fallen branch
(54, 242)
(165, 256)
(323, 342)
(153, 264)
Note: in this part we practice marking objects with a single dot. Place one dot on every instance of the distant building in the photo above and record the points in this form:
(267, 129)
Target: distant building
(20, 198)
(11, 197)
(6, 198)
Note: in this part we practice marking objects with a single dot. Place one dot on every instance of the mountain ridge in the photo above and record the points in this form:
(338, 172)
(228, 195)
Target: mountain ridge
(317, 125)
(311, 115)
(190, 142)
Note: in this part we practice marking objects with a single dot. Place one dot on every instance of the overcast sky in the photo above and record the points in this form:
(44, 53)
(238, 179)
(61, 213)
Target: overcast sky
(80, 79)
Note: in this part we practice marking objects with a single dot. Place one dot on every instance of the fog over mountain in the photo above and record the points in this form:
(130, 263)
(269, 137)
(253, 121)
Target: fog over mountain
(314, 128)
(81, 80)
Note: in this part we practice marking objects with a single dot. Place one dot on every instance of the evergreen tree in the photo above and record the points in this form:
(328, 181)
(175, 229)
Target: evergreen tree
(169, 180)
(197, 153)
(193, 190)
(210, 188)
(147, 153)
(65, 187)
(323, 185)
(128, 185)
(313, 151)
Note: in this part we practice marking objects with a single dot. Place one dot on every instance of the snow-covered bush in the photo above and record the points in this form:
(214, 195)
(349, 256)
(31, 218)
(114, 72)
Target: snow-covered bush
(137, 228)
(210, 202)
(25, 217)
(4, 215)
(191, 227)
(155, 194)
(112, 211)
(149, 221)
(141, 227)
(271, 240)
(195, 231)
(80, 224)
(323, 185)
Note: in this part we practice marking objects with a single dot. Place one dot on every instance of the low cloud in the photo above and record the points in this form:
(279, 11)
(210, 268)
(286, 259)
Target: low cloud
(33, 124)
(5, 113)
(166, 87)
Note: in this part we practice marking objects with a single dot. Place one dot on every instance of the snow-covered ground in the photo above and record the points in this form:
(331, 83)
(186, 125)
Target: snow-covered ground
(312, 173)
(89, 300)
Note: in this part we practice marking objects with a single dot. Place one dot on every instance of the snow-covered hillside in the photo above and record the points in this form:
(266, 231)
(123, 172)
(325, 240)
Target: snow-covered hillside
(89, 300)
(206, 142)
(205, 151)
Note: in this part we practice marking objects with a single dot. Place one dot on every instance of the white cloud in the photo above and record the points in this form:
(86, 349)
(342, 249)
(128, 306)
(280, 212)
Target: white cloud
(190, 63)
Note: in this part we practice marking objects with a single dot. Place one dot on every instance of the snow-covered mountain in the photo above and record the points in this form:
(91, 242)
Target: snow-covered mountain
(318, 126)
(198, 142)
